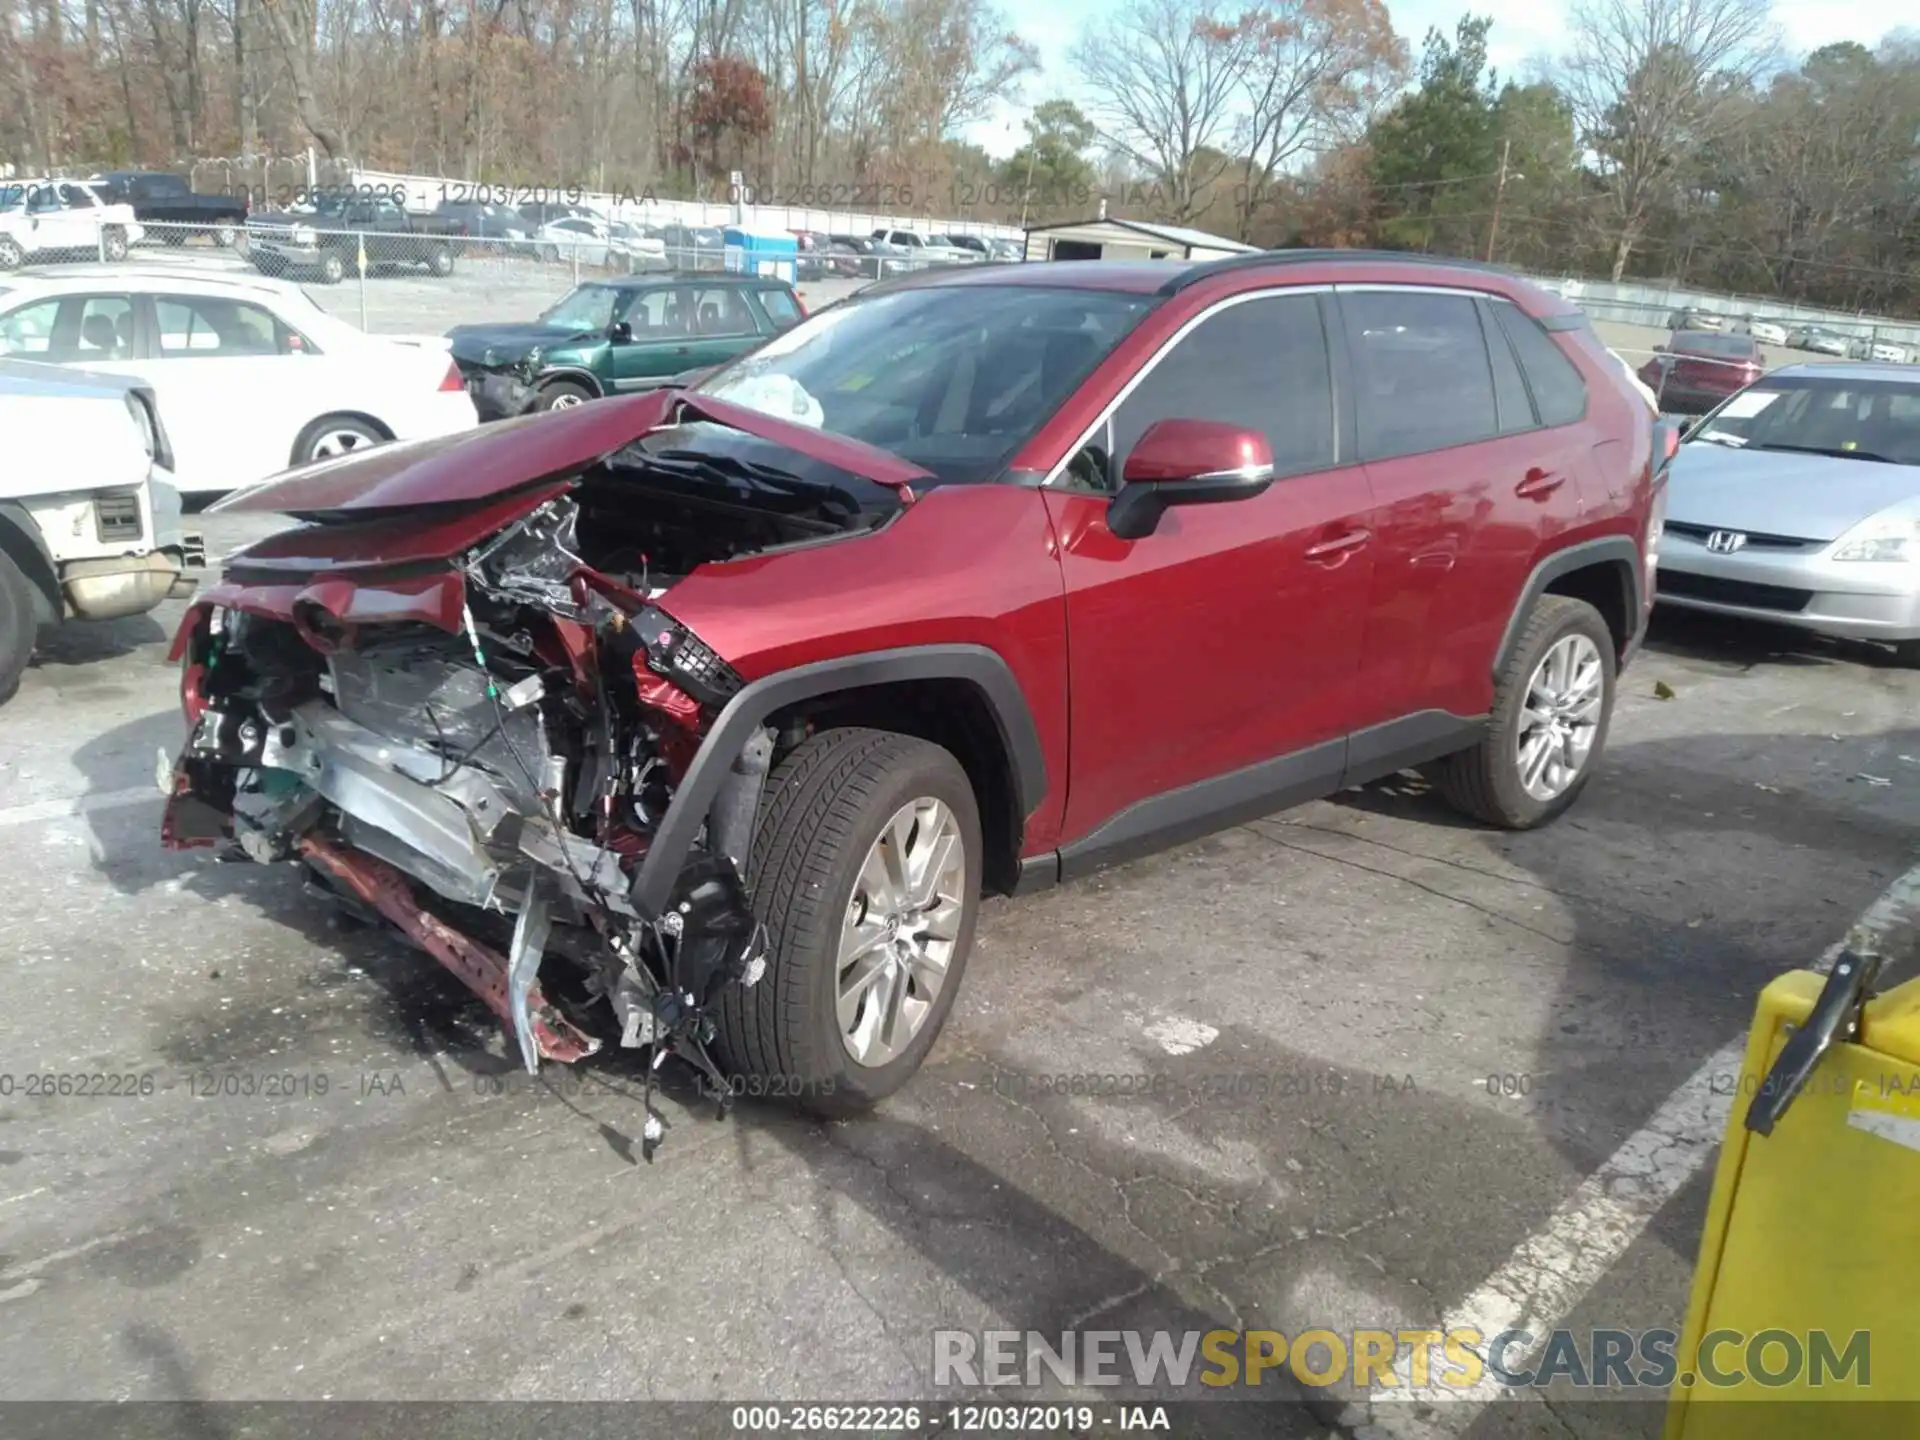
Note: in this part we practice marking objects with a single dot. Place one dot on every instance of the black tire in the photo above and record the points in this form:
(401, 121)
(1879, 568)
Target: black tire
(226, 236)
(18, 626)
(548, 254)
(331, 425)
(825, 805)
(113, 243)
(1907, 652)
(333, 267)
(562, 395)
(440, 263)
(12, 257)
(1484, 782)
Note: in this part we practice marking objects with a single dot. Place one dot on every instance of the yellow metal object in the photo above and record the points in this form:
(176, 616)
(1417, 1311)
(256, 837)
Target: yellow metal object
(1814, 1231)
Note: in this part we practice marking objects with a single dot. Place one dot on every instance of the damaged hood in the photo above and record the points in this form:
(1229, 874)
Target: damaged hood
(502, 344)
(524, 454)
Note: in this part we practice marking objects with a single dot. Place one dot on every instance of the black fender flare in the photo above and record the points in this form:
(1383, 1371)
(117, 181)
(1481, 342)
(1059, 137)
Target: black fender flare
(1608, 549)
(573, 373)
(672, 842)
(22, 543)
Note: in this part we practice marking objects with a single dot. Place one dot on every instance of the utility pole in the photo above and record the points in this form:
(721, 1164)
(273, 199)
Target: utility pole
(1499, 191)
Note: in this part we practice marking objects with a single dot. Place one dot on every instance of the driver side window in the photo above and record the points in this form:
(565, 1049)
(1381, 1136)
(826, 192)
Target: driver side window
(1262, 364)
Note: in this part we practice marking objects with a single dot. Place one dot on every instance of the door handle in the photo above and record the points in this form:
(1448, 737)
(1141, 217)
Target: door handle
(1538, 484)
(1338, 545)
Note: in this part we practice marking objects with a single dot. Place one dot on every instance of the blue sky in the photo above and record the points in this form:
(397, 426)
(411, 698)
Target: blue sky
(1521, 29)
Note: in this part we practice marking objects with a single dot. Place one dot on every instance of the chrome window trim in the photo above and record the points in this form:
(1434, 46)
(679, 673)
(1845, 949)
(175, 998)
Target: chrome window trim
(1166, 347)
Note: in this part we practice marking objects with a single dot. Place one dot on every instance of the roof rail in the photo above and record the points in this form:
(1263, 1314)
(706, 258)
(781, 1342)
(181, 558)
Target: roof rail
(1260, 259)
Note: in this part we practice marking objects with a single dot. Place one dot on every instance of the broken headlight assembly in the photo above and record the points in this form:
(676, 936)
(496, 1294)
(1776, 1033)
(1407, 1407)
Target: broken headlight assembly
(675, 652)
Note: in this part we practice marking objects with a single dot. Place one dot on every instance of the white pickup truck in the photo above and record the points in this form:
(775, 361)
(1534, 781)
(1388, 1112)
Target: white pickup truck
(90, 525)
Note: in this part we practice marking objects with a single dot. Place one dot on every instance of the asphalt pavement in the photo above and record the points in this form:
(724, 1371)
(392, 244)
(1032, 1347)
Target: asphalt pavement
(1338, 1066)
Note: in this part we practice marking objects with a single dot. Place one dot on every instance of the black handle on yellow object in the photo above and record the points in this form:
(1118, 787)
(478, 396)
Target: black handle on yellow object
(1835, 1016)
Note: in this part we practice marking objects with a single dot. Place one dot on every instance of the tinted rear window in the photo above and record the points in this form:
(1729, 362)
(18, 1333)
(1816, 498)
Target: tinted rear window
(1734, 347)
(1559, 393)
(1425, 382)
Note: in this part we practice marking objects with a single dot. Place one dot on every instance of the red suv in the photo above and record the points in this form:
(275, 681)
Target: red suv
(702, 719)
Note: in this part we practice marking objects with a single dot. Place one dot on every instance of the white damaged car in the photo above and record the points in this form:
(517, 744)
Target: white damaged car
(90, 528)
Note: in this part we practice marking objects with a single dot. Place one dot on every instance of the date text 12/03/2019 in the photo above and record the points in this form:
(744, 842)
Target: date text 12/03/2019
(886, 1419)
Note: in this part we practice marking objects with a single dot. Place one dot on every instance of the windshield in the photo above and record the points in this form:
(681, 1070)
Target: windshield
(1852, 419)
(953, 379)
(590, 307)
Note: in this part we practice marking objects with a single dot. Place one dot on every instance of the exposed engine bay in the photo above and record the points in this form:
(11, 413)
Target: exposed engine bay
(491, 790)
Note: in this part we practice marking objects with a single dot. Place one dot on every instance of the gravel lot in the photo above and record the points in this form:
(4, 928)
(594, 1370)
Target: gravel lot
(1390, 1046)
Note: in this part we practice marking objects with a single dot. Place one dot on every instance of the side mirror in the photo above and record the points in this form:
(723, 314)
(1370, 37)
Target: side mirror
(1187, 462)
(621, 333)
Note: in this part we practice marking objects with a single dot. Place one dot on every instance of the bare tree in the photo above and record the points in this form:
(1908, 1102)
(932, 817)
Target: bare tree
(1313, 71)
(1162, 77)
(1652, 82)
(292, 23)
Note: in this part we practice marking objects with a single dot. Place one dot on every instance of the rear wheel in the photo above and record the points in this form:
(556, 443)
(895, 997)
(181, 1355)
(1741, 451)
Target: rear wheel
(113, 243)
(11, 255)
(866, 873)
(17, 626)
(332, 436)
(440, 262)
(562, 395)
(1552, 706)
(225, 236)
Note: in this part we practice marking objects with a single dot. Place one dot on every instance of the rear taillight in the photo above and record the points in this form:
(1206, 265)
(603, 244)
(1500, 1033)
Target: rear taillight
(452, 380)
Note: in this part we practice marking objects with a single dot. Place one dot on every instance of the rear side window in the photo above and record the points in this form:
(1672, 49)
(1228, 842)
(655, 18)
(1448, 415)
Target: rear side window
(1558, 391)
(1421, 369)
(1509, 386)
(1262, 365)
(781, 308)
(211, 327)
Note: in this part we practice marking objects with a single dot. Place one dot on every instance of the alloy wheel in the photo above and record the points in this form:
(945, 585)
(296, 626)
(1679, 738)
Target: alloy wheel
(331, 444)
(902, 922)
(1561, 717)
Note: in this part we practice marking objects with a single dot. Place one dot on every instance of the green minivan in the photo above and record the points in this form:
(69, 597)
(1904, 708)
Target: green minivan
(616, 336)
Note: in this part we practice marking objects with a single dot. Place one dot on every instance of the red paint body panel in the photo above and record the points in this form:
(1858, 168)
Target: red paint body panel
(1211, 644)
(388, 542)
(510, 455)
(963, 565)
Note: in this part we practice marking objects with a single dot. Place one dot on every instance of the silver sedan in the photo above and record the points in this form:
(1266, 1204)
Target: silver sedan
(1797, 501)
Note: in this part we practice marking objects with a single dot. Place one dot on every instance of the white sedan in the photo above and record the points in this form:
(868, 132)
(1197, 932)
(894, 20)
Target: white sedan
(1767, 332)
(251, 375)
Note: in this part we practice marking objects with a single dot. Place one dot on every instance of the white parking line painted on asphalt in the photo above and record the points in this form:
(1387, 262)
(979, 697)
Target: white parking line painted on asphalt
(1551, 1270)
(41, 810)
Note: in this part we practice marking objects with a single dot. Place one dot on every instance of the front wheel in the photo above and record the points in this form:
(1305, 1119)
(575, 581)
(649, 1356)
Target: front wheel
(333, 268)
(113, 243)
(1551, 709)
(440, 263)
(12, 257)
(562, 395)
(549, 254)
(18, 626)
(225, 236)
(866, 873)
